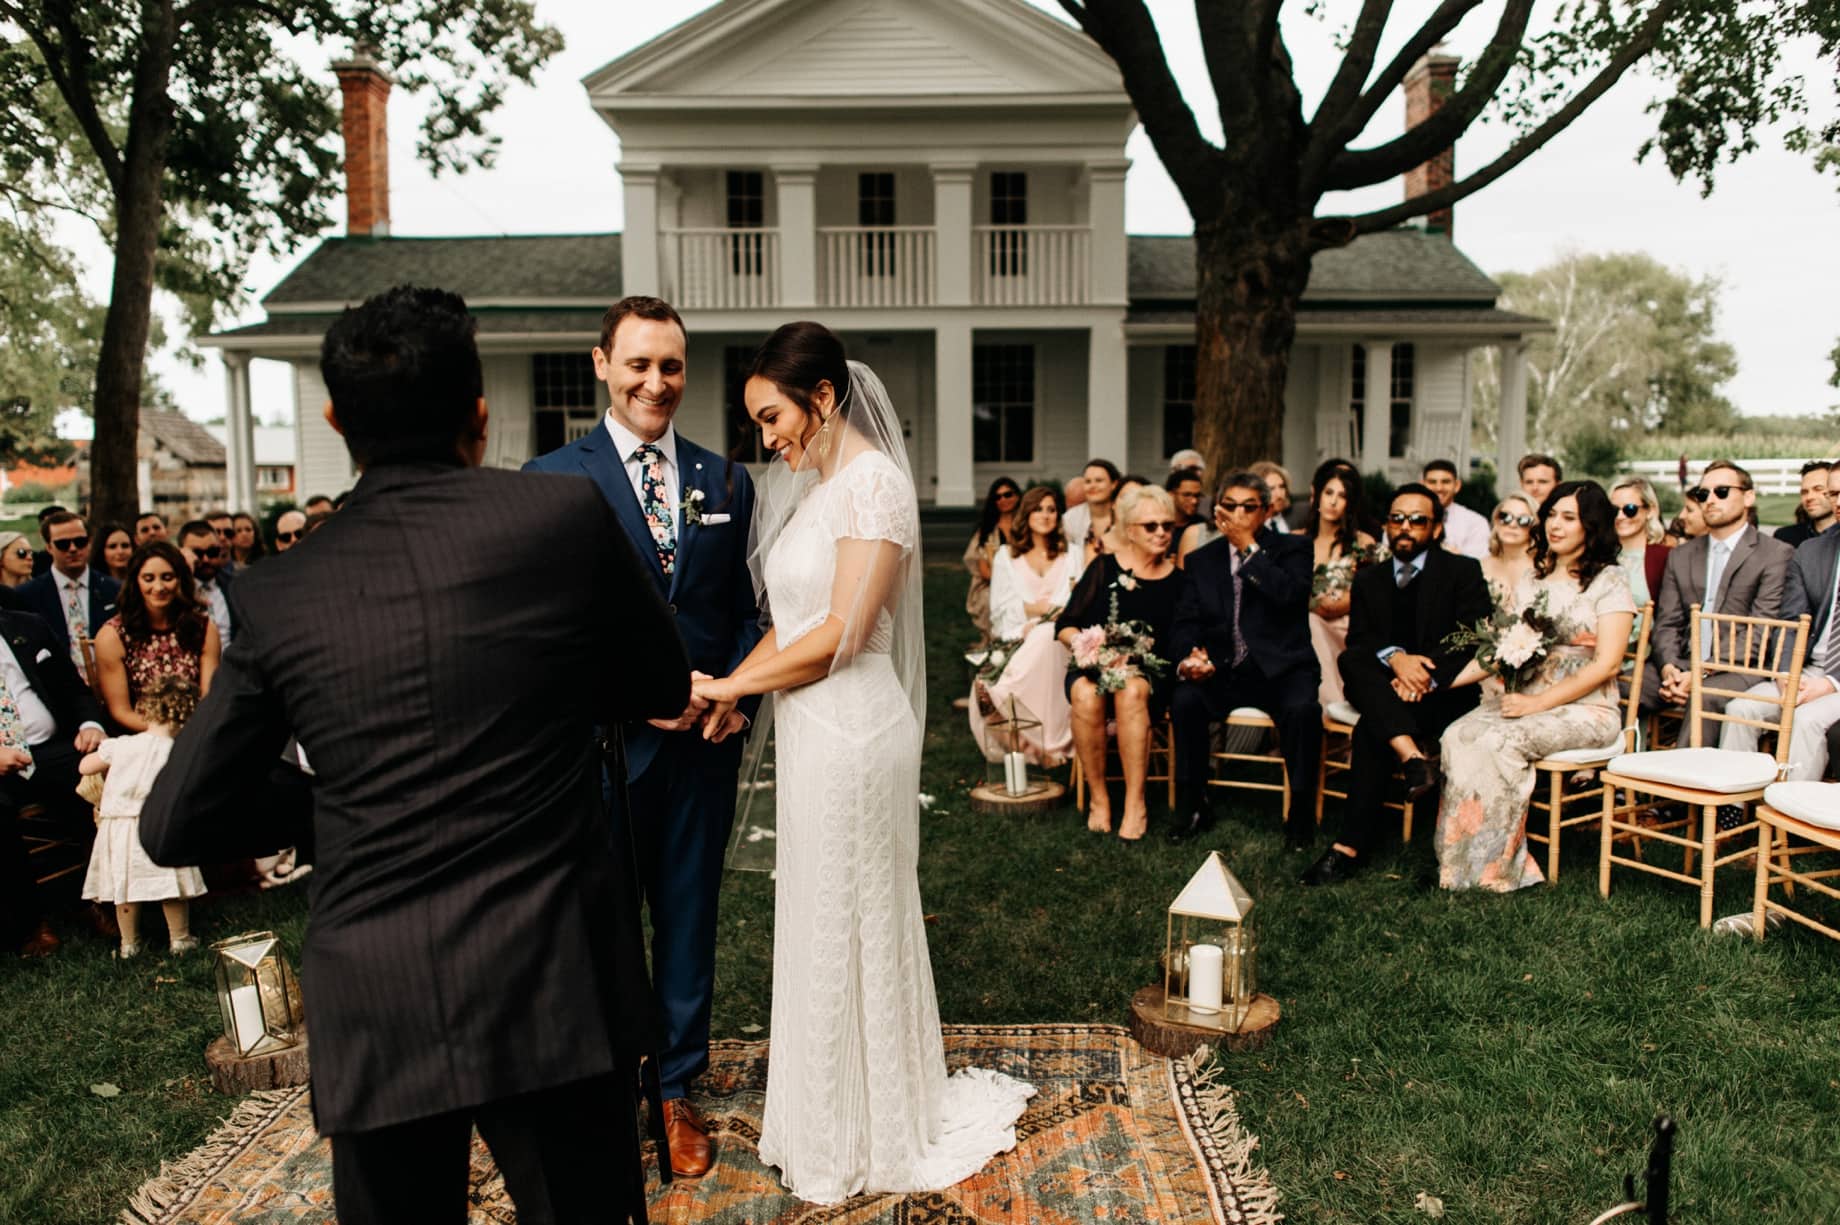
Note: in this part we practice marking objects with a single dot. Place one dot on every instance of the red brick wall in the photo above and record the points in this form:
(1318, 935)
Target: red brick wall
(366, 93)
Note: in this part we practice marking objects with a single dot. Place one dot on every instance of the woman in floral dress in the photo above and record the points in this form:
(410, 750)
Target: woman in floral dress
(1336, 532)
(1571, 704)
(161, 630)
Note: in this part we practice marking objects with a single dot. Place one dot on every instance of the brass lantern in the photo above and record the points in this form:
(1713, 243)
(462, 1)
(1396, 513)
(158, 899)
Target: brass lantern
(1006, 763)
(1210, 972)
(258, 994)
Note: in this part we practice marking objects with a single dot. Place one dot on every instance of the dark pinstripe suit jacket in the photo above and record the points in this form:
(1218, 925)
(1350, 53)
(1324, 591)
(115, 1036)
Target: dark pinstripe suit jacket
(443, 647)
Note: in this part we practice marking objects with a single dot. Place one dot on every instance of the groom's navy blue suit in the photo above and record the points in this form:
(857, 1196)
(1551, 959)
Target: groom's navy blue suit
(681, 786)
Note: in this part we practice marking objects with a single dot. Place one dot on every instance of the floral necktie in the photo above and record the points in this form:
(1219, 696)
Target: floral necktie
(1240, 649)
(655, 505)
(73, 619)
(12, 724)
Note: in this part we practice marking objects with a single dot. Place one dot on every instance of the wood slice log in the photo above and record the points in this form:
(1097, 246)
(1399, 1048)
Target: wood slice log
(1155, 1030)
(995, 801)
(236, 1075)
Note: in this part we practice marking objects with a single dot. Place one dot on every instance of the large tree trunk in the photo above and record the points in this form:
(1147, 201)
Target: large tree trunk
(139, 210)
(1250, 277)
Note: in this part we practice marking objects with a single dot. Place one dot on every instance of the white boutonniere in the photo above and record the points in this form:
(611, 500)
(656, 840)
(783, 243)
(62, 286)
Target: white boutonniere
(692, 508)
(1127, 580)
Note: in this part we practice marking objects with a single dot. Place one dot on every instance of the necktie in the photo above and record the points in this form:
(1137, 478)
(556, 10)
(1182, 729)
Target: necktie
(1404, 576)
(1715, 571)
(1240, 650)
(659, 516)
(12, 724)
(73, 620)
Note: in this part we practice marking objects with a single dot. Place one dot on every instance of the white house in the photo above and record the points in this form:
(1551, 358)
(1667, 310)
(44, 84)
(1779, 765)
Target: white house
(942, 182)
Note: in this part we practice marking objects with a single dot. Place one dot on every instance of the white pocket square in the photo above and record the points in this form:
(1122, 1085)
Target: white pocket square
(41, 657)
(714, 520)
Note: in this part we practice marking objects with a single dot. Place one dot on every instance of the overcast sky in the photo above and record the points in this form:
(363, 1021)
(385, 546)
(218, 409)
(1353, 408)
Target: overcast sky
(1768, 231)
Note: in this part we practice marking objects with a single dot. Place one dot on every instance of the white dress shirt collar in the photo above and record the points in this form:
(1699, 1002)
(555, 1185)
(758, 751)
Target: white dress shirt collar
(627, 442)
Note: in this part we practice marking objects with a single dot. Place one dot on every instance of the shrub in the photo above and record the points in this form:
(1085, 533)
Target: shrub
(1478, 492)
(1593, 452)
(31, 491)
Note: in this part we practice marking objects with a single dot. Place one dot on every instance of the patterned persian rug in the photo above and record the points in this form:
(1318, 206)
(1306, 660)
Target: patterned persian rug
(1114, 1135)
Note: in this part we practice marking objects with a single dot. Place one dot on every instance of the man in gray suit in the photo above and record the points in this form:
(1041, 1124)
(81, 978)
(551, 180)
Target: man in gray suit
(1733, 569)
(1810, 589)
(474, 955)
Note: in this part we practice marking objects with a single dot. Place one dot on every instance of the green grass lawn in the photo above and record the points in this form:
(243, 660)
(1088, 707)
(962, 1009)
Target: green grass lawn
(1506, 1054)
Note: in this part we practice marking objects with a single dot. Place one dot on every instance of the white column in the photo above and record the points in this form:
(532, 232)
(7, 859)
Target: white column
(1107, 400)
(239, 462)
(639, 263)
(952, 415)
(1377, 411)
(798, 234)
(1511, 422)
(243, 424)
(1105, 213)
(952, 214)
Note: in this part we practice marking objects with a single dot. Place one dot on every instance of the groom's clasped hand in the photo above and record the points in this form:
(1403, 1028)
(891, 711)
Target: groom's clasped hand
(711, 709)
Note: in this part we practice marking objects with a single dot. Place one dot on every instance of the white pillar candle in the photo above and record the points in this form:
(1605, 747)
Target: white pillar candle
(1204, 970)
(1015, 773)
(246, 1007)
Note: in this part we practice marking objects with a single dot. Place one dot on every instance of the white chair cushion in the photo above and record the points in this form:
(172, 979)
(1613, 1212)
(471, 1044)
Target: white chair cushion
(1589, 757)
(1248, 712)
(1343, 712)
(1815, 803)
(1724, 771)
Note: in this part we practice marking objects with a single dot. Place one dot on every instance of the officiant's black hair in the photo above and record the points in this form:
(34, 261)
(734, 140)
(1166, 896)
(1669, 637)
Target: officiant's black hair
(403, 373)
(799, 356)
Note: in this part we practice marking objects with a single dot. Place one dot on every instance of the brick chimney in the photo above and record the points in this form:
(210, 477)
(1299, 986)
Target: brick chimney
(366, 89)
(1428, 86)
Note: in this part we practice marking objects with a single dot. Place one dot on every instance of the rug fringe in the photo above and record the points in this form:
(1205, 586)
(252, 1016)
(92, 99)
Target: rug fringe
(176, 1181)
(1232, 1144)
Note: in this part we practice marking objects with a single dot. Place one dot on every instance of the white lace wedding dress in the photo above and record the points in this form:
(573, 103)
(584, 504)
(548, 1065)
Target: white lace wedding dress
(857, 1094)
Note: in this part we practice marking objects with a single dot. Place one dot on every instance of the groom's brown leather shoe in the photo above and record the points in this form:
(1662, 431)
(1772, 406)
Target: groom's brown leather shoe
(691, 1152)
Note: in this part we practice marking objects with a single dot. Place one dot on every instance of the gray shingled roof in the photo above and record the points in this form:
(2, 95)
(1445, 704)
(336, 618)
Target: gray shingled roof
(182, 436)
(1396, 264)
(530, 266)
(1379, 315)
(492, 322)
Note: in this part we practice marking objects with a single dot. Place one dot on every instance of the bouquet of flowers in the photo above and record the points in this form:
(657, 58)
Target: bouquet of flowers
(1336, 576)
(1116, 651)
(996, 658)
(1512, 645)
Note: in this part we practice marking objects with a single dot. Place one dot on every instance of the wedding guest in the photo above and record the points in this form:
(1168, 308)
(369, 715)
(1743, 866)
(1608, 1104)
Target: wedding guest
(1241, 638)
(1510, 555)
(1073, 492)
(1733, 569)
(149, 526)
(1113, 537)
(1814, 514)
(1689, 524)
(1572, 701)
(290, 530)
(41, 560)
(1278, 481)
(72, 598)
(1087, 522)
(1185, 489)
(115, 547)
(316, 519)
(119, 870)
(1811, 588)
(1188, 457)
(319, 502)
(160, 631)
(1146, 585)
(1031, 581)
(206, 554)
(245, 539)
(15, 559)
(1399, 673)
(1538, 473)
(1465, 531)
(1197, 534)
(991, 534)
(1638, 534)
(1338, 544)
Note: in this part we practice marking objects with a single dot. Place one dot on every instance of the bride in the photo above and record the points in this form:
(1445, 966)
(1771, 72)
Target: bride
(857, 1094)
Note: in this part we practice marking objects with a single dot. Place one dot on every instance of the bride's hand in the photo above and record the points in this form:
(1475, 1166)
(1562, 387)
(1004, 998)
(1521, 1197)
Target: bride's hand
(715, 690)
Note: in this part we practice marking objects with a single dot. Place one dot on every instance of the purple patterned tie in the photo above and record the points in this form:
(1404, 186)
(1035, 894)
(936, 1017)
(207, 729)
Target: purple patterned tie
(1240, 650)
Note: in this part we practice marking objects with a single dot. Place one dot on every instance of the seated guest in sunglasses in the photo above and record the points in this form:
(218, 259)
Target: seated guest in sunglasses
(1638, 531)
(73, 598)
(205, 551)
(1733, 569)
(290, 530)
(15, 563)
(1397, 671)
(1510, 555)
(1242, 638)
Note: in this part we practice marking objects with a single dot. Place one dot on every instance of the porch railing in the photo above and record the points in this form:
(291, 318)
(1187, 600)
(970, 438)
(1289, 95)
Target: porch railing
(1031, 265)
(876, 266)
(721, 269)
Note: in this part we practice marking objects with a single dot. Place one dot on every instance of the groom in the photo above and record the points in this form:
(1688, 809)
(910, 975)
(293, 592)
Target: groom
(687, 511)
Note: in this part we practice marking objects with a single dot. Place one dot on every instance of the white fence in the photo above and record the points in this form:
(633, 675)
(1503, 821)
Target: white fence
(1767, 475)
(876, 266)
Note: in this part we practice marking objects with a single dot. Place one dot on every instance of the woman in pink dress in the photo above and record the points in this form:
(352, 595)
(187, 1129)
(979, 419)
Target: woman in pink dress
(1029, 585)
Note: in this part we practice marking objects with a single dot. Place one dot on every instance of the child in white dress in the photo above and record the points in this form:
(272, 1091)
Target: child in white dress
(119, 870)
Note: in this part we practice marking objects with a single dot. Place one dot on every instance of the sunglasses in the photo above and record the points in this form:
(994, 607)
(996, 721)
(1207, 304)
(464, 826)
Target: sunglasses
(1630, 510)
(209, 552)
(23, 554)
(289, 537)
(1157, 525)
(1721, 492)
(70, 542)
(1246, 507)
(1510, 519)
(1400, 519)
(1007, 495)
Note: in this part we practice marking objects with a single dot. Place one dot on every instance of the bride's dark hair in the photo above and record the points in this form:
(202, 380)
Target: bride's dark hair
(799, 356)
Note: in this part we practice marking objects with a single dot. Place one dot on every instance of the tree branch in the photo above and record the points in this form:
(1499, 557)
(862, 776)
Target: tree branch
(1330, 132)
(1345, 89)
(68, 63)
(198, 11)
(1638, 46)
(1363, 167)
(1124, 30)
